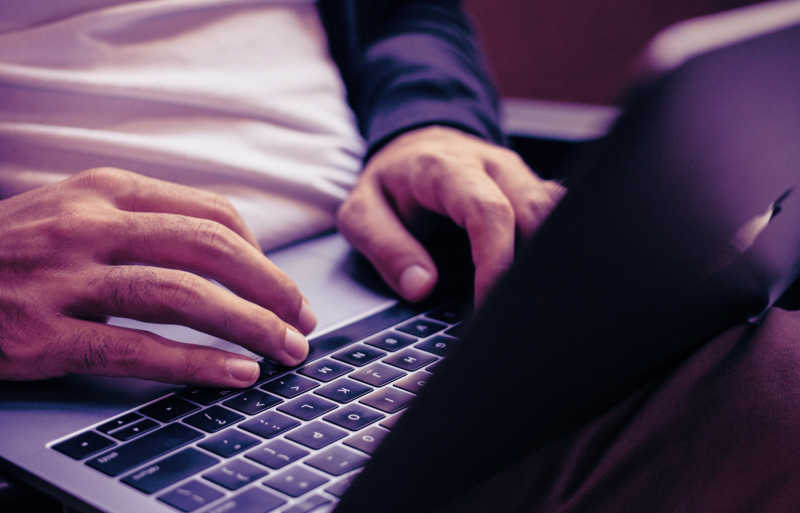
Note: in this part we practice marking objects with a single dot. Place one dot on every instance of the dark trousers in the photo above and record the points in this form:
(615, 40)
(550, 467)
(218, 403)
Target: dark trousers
(618, 361)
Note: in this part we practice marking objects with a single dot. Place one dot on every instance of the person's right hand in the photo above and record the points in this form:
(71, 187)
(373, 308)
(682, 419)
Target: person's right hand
(108, 242)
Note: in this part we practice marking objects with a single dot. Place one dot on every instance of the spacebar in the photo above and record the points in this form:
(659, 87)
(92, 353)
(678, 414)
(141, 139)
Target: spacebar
(117, 461)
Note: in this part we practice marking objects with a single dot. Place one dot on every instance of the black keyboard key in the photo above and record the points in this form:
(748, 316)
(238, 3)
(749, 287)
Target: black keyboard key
(128, 418)
(421, 327)
(344, 390)
(377, 374)
(456, 331)
(307, 407)
(168, 409)
(277, 454)
(308, 504)
(144, 448)
(390, 400)
(448, 314)
(337, 460)
(438, 345)
(410, 359)
(359, 355)
(367, 440)
(316, 435)
(213, 419)
(290, 385)
(229, 443)
(169, 471)
(252, 402)
(391, 341)
(269, 425)
(414, 382)
(252, 500)
(83, 445)
(341, 486)
(206, 396)
(130, 432)
(295, 481)
(325, 370)
(235, 474)
(190, 496)
(353, 417)
(432, 367)
(359, 330)
(268, 369)
(391, 421)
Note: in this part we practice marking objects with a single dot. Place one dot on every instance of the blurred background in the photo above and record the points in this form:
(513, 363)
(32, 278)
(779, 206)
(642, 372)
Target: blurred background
(574, 50)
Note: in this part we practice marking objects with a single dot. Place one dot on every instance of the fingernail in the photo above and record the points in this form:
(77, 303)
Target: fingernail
(242, 370)
(306, 319)
(413, 281)
(295, 344)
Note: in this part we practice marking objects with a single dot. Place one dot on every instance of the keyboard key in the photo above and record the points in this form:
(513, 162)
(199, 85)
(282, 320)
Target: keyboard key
(144, 448)
(229, 443)
(128, 418)
(359, 355)
(325, 370)
(391, 341)
(377, 374)
(421, 327)
(344, 390)
(83, 445)
(290, 385)
(268, 369)
(410, 359)
(127, 433)
(448, 314)
(295, 481)
(432, 367)
(269, 425)
(353, 417)
(438, 345)
(390, 422)
(277, 454)
(390, 400)
(341, 486)
(252, 500)
(190, 496)
(456, 331)
(367, 440)
(307, 407)
(206, 396)
(252, 402)
(213, 419)
(308, 504)
(316, 435)
(168, 409)
(414, 382)
(170, 470)
(235, 474)
(337, 460)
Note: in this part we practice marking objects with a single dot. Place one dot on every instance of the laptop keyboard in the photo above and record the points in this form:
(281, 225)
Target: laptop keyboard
(292, 442)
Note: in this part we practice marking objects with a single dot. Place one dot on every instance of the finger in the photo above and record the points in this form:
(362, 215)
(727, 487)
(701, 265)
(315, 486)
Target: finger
(136, 193)
(473, 201)
(368, 222)
(531, 197)
(168, 296)
(90, 348)
(211, 249)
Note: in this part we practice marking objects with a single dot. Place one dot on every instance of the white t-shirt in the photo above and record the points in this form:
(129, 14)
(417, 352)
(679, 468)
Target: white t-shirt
(238, 96)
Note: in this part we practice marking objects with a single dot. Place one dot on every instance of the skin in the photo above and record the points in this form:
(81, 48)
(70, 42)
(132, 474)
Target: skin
(485, 189)
(109, 242)
(66, 255)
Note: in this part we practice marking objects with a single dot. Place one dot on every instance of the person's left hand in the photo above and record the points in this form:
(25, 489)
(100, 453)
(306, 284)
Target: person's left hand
(485, 189)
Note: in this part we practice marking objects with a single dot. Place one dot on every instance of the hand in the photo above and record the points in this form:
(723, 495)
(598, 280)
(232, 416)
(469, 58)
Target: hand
(67, 255)
(483, 188)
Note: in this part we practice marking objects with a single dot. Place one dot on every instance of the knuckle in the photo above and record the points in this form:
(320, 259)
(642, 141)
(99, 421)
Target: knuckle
(213, 235)
(180, 291)
(225, 208)
(351, 213)
(102, 178)
(494, 209)
(194, 362)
